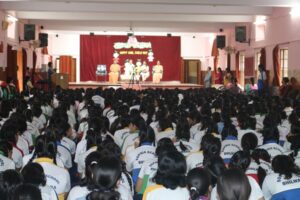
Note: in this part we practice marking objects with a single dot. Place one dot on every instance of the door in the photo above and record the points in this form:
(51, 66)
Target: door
(12, 64)
(192, 71)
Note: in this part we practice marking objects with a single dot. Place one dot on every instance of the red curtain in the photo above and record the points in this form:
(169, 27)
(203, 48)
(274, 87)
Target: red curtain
(276, 66)
(263, 57)
(237, 66)
(215, 54)
(65, 65)
(98, 49)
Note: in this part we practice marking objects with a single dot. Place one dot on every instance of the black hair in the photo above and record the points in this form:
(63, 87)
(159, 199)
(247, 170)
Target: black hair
(294, 138)
(164, 145)
(215, 166)
(171, 170)
(9, 132)
(105, 177)
(233, 184)
(147, 136)
(249, 142)
(284, 165)
(9, 179)
(5, 148)
(33, 173)
(240, 160)
(26, 192)
(198, 183)
(229, 130)
(90, 162)
(182, 132)
(111, 195)
(139, 122)
(211, 146)
(257, 155)
(270, 133)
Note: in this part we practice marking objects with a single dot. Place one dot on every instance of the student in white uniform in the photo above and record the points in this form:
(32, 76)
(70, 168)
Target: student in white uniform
(9, 133)
(247, 125)
(26, 191)
(210, 146)
(31, 132)
(45, 154)
(143, 151)
(164, 129)
(233, 184)
(284, 183)
(149, 168)
(36, 120)
(271, 140)
(230, 143)
(182, 137)
(136, 123)
(169, 179)
(123, 131)
(198, 183)
(294, 139)
(6, 161)
(33, 173)
(241, 161)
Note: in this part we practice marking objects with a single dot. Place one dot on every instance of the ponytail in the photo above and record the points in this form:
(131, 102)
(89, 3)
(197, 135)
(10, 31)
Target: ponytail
(103, 195)
(183, 147)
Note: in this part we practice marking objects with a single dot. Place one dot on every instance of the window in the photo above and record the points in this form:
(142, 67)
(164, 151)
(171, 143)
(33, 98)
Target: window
(257, 60)
(284, 58)
(11, 29)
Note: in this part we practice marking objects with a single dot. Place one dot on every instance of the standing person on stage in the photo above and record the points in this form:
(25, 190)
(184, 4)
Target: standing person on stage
(50, 72)
(157, 72)
(137, 70)
(145, 71)
(261, 78)
(114, 72)
(207, 79)
(227, 77)
(219, 76)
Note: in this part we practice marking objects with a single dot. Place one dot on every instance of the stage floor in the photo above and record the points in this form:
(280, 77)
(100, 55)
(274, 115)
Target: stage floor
(144, 85)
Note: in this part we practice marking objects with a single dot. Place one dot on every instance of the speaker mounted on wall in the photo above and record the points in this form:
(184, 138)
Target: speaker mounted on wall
(43, 37)
(221, 41)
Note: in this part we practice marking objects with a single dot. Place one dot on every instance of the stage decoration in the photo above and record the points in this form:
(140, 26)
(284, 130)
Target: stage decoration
(132, 42)
(116, 54)
(150, 56)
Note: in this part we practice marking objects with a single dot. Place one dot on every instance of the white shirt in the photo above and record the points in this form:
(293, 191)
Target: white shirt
(229, 147)
(148, 171)
(277, 187)
(69, 143)
(255, 194)
(6, 163)
(259, 136)
(23, 145)
(128, 141)
(78, 193)
(273, 149)
(64, 153)
(37, 123)
(194, 160)
(191, 147)
(134, 159)
(80, 149)
(48, 193)
(120, 135)
(81, 160)
(158, 192)
(58, 178)
(164, 134)
(17, 158)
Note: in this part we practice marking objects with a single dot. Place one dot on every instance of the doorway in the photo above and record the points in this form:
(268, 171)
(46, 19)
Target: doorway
(12, 68)
(192, 71)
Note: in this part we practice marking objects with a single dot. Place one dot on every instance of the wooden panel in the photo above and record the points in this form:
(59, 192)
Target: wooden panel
(2, 74)
(249, 67)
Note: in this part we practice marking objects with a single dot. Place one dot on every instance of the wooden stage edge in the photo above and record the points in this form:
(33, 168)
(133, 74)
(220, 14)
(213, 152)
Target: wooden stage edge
(141, 86)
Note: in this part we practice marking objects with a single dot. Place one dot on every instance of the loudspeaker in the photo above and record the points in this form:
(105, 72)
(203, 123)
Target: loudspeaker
(43, 37)
(240, 33)
(29, 32)
(169, 35)
(221, 40)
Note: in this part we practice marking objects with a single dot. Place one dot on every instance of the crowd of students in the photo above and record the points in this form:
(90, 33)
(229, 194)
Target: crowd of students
(195, 144)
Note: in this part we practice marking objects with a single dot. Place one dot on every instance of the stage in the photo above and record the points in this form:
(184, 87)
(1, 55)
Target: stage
(141, 86)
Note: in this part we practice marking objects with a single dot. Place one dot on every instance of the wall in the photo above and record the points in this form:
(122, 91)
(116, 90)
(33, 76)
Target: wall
(282, 29)
(13, 42)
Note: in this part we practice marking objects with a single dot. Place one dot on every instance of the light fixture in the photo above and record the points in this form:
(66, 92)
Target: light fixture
(295, 11)
(11, 18)
(260, 20)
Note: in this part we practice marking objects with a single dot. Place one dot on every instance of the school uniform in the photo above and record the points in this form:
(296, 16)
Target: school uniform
(36, 122)
(194, 160)
(272, 148)
(70, 143)
(147, 173)
(229, 147)
(78, 193)
(98, 100)
(128, 141)
(191, 147)
(259, 121)
(64, 153)
(83, 127)
(159, 192)
(27, 158)
(71, 118)
(6, 163)
(120, 135)
(80, 149)
(23, 145)
(168, 133)
(81, 160)
(196, 134)
(17, 156)
(276, 187)
(284, 129)
(134, 159)
(57, 177)
(256, 192)
(48, 193)
(126, 182)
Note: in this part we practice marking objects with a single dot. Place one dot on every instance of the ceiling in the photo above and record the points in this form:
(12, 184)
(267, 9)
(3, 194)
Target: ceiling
(141, 15)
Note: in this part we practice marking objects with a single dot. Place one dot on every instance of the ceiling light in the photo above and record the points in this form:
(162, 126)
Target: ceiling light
(260, 20)
(11, 18)
(295, 11)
